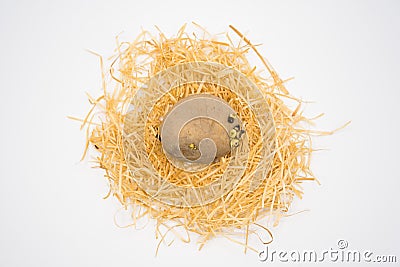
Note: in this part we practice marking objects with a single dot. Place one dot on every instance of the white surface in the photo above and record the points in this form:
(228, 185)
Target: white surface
(344, 55)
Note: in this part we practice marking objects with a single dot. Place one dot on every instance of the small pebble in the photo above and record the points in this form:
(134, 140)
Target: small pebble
(231, 118)
(239, 134)
(232, 133)
(234, 143)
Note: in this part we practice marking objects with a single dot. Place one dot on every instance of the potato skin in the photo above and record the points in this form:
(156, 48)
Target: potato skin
(198, 129)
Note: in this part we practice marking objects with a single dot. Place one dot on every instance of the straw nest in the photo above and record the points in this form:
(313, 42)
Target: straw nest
(241, 208)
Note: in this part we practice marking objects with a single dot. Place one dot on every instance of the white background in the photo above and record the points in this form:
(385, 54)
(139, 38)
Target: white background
(344, 55)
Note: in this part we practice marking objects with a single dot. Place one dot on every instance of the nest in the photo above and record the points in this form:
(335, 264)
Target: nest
(286, 161)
